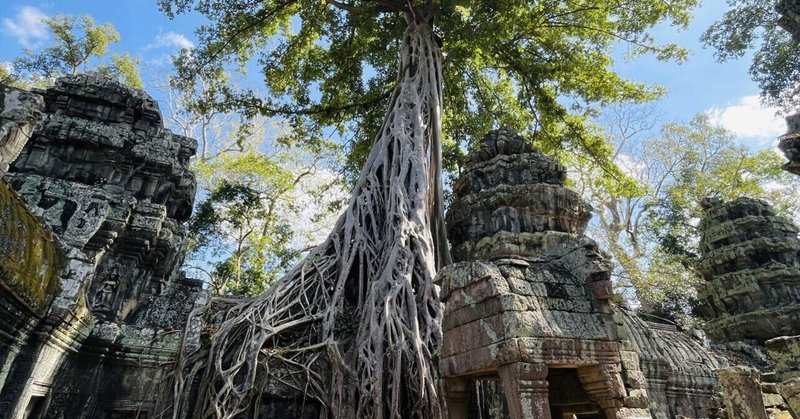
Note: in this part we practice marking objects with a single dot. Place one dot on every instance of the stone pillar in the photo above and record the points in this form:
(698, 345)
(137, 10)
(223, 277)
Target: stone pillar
(525, 387)
(456, 397)
(741, 388)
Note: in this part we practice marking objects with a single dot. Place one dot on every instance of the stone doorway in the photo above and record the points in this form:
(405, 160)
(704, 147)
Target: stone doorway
(567, 397)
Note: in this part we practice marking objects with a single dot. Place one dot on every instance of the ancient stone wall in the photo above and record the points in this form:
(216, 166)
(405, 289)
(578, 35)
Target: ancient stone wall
(677, 368)
(31, 263)
(102, 173)
(751, 302)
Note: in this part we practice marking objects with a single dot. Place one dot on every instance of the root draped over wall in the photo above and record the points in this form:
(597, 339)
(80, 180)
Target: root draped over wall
(355, 324)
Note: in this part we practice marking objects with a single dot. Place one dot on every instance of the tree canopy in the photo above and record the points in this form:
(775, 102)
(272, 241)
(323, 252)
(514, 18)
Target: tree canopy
(538, 67)
(77, 41)
(247, 227)
(753, 26)
(651, 232)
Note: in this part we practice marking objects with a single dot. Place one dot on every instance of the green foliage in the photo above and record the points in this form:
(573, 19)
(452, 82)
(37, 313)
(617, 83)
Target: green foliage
(8, 78)
(752, 25)
(124, 68)
(712, 163)
(260, 242)
(247, 221)
(78, 40)
(246, 226)
(263, 194)
(539, 67)
(650, 229)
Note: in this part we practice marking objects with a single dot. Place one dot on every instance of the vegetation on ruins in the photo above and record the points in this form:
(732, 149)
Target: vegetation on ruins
(362, 303)
(77, 43)
(246, 222)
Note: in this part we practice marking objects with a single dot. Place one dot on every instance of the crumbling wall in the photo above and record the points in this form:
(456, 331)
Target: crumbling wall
(30, 267)
(751, 269)
(678, 368)
(751, 301)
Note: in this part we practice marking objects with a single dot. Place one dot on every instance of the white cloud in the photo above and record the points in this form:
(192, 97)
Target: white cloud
(27, 26)
(630, 166)
(169, 40)
(749, 118)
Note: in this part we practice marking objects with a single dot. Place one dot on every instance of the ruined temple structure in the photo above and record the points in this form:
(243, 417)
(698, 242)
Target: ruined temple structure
(751, 297)
(752, 270)
(92, 233)
(94, 199)
(528, 305)
(760, 312)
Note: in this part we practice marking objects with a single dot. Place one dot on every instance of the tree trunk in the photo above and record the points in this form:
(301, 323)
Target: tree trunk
(361, 305)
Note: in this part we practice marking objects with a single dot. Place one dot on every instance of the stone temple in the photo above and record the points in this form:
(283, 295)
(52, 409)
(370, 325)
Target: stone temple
(528, 303)
(92, 233)
(94, 199)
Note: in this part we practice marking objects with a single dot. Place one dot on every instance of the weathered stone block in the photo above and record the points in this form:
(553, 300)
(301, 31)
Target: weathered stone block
(741, 388)
(785, 352)
(790, 390)
(19, 113)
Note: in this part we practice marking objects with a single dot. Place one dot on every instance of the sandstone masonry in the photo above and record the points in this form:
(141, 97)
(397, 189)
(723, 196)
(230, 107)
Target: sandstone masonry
(109, 188)
(528, 303)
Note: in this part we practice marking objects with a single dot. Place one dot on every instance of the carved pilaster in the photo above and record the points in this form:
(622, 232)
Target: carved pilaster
(525, 387)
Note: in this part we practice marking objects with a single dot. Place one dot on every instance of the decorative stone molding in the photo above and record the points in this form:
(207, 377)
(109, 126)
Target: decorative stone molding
(101, 177)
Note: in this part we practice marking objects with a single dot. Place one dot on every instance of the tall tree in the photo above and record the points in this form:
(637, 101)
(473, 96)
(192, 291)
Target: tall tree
(621, 208)
(252, 201)
(754, 26)
(334, 63)
(77, 40)
(263, 195)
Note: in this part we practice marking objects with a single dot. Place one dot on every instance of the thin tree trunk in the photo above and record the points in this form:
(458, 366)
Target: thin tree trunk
(361, 305)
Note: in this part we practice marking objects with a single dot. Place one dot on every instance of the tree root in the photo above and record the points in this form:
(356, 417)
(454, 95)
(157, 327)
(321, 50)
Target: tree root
(354, 325)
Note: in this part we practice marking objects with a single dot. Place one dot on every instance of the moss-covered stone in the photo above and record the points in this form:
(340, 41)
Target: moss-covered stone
(32, 261)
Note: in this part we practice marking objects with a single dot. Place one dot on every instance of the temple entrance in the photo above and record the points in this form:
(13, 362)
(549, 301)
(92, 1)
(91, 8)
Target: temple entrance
(568, 400)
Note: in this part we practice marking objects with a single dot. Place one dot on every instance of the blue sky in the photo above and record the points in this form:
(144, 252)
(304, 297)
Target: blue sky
(698, 85)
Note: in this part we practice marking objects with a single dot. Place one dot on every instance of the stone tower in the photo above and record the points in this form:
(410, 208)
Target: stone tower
(111, 184)
(528, 298)
(751, 267)
(511, 200)
(751, 298)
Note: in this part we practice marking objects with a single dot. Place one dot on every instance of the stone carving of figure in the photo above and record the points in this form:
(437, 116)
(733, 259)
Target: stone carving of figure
(104, 297)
